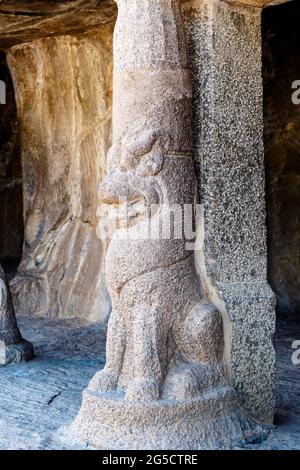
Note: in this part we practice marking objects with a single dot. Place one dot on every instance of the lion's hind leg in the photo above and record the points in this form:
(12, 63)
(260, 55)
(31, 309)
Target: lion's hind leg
(198, 364)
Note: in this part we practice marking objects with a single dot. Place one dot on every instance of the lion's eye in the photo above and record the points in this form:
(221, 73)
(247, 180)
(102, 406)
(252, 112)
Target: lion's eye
(128, 161)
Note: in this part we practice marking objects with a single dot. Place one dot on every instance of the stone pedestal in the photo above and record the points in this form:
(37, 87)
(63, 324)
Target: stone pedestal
(13, 348)
(210, 421)
(18, 352)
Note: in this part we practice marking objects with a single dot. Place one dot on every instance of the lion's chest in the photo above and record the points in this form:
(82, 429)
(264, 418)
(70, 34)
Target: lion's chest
(128, 259)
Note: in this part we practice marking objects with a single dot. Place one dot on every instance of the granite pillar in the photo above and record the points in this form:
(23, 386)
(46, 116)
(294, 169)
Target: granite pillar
(224, 45)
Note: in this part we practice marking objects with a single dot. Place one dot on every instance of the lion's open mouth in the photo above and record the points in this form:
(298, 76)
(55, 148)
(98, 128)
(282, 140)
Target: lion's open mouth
(129, 200)
(128, 210)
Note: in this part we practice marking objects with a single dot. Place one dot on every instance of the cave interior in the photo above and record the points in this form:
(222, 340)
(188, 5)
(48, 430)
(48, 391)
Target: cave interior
(281, 67)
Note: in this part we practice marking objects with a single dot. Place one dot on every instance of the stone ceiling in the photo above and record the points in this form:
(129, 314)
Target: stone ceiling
(24, 20)
(257, 3)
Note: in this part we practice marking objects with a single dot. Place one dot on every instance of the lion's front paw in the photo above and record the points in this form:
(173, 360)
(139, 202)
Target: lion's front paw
(103, 382)
(143, 390)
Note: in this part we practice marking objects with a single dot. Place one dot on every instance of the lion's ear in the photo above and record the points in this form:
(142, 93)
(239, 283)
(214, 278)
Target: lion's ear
(151, 164)
(142, 143)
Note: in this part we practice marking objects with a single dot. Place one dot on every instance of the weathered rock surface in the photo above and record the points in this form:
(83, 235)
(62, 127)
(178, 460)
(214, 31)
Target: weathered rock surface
(27, 20)
(61, 249)
(63, 91)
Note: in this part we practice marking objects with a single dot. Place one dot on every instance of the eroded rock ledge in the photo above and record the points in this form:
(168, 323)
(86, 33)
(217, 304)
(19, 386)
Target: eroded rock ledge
(24, 21)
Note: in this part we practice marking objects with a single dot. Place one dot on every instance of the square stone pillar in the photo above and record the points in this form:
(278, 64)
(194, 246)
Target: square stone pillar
(224, 44)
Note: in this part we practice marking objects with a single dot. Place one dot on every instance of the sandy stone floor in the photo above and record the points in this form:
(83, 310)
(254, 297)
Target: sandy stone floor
(38, 397)
(286, 435)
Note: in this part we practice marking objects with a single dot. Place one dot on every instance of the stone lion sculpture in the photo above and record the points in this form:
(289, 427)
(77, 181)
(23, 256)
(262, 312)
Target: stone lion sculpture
(164, 339)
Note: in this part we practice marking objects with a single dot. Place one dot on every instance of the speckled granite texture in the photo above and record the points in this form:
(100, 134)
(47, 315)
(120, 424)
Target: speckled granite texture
(224, 44)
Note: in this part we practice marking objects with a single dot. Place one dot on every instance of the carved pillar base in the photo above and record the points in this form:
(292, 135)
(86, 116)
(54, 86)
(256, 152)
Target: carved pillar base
(10, 353)
(13, 348)
(210, 421)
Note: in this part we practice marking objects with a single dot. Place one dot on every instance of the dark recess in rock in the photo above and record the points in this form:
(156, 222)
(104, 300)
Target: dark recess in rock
(281, 66)
(11, 218)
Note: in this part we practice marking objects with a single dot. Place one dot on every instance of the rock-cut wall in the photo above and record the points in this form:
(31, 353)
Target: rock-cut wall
(63, 88)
